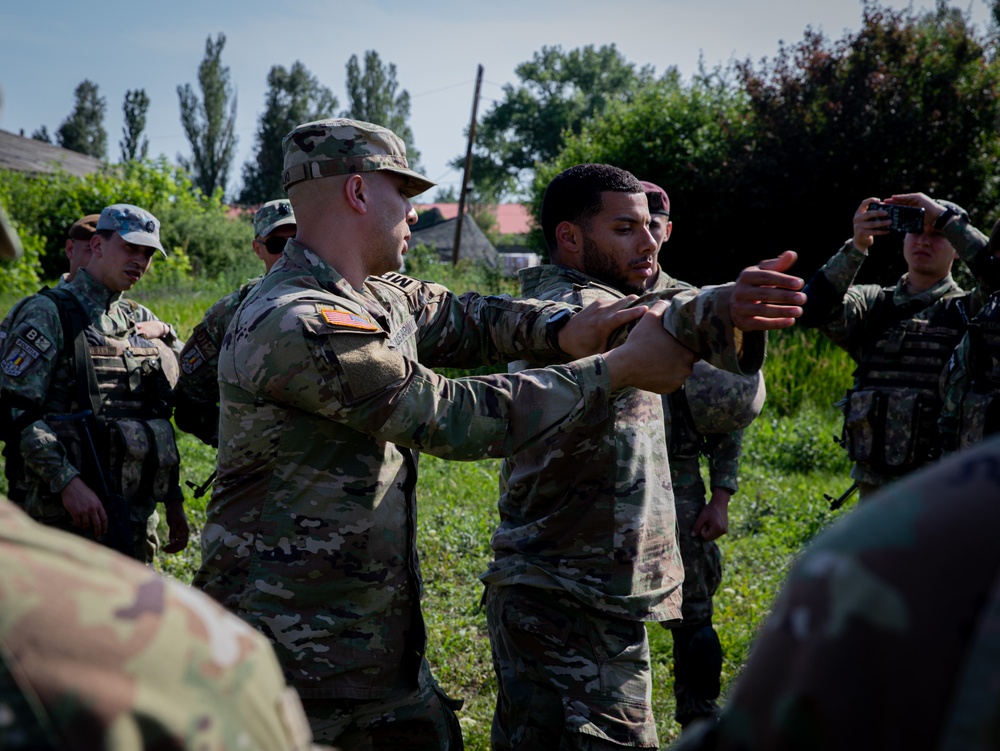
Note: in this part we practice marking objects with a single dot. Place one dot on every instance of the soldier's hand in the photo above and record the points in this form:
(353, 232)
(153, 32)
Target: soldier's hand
(177, 525)
(764, 297)
(152, 329)
(713, 521)
(867, 224)
(587, 332)
(651, 359)
(84, 507)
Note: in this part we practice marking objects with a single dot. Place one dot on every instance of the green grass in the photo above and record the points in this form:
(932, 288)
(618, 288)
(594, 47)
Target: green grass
(789, 462)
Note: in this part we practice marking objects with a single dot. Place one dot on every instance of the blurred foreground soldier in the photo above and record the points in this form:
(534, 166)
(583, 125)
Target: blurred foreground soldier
(971, 382)
(901, 337)
(586, 551)
(77, 245)
(98, 652)
(326, 400)
(705, 417)
(196, 399)
(887, 632)
(85, 400)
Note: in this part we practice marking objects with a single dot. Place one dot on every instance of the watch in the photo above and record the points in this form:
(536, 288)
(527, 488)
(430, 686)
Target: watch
(945, 217)
(553, 326)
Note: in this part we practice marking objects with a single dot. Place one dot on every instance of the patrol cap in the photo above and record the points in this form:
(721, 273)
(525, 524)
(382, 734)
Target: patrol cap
(338, 146)
(272, 215)
(659, 201)
(84, 227)
(720, 401)
(133, 225)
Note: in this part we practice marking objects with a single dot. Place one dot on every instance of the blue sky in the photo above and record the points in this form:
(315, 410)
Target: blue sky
(46, 49)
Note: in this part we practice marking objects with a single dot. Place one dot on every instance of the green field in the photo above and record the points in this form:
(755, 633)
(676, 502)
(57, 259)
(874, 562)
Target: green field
(789, 462)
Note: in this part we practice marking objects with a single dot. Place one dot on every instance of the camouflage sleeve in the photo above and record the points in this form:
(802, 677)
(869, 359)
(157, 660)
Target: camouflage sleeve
(972, 247)
(28, 361)
(954, 385)
(358, 380)
(472, 329)
(701, 321)
(723, 451)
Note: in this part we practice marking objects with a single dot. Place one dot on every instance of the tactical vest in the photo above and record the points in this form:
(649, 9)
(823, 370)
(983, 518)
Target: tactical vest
(891, 413)
(979, 411)
(109, 405)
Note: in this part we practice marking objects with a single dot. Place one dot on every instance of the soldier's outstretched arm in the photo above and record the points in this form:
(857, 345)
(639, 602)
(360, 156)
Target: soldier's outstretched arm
(651, 359)
(587, 332)
(765, 298)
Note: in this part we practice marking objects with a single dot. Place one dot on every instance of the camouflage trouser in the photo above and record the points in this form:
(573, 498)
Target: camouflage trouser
(696, 650)
(569, 677)
(422, 720)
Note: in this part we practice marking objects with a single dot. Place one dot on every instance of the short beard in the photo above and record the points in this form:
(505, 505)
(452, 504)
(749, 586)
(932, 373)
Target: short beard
(600, 267)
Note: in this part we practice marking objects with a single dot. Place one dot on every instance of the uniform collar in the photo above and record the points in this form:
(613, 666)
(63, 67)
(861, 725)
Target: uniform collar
(94, 296)
(298, 256)
(536, 279)
(929, 295)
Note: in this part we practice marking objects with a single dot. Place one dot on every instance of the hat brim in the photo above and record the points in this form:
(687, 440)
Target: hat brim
(142, 238)
(415, 182)
(284, 221)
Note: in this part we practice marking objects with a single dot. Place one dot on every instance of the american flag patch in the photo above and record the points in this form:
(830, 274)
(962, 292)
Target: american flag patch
(346, 319)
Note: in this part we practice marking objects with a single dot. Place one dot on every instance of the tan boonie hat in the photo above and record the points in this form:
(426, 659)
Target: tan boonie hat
(327, 148)
(272, 215)
(720, 401)
(84, 227)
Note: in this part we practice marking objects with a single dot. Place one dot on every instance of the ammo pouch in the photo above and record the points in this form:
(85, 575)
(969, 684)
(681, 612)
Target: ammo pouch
(978, 418)
(144, 455)
(890, 431)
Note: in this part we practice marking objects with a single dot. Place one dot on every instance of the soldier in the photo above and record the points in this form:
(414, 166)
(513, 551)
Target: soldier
(196, 399)
(885, 635)
(586, 552)
(86, 415)
(900, 337)
(326, 398)
(706, 417)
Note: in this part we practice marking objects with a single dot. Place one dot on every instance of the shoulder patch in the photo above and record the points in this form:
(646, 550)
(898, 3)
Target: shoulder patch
(193, 359)
(28, 345)
(401, 281)
(337, 318)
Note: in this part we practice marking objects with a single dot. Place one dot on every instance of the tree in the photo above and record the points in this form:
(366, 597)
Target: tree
(133, 144)
(83, 131)
(42, 134)
(559, 91)
(209, 130)
(372, 96)
(293, 97)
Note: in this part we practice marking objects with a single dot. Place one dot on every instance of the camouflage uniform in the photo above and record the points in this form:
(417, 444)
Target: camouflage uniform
(196, 399)
(311, 528)
(97, 652)
(696, 649)
(886, 633)
(135, 375)
(902, 342)
(586, 549)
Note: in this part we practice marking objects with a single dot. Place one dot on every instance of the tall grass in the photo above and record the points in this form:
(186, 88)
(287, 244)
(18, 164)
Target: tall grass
(789, 462)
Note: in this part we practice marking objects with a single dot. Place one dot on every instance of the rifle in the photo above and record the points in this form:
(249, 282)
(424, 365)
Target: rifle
(836, 503)
(119, 536)
(200, 490)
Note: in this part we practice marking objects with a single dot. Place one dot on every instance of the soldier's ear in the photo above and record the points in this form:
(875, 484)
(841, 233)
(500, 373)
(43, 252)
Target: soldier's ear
(357, 193)
(569, 239)
(97, 245)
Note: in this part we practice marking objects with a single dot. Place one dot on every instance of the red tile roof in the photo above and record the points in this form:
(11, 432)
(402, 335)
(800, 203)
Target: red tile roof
(512, 218)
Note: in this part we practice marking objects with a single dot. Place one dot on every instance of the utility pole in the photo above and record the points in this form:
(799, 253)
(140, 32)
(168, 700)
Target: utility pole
(468, 167)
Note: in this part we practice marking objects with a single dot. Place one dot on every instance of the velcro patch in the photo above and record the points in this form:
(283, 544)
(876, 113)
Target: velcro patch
(338, 318)
(20, 357)
(193, 359)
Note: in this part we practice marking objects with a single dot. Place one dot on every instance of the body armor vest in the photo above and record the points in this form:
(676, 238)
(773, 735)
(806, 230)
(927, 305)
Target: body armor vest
(980, 408)
(891, 413)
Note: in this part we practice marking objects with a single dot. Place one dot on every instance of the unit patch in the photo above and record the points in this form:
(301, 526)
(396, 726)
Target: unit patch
(345, 319)
(193, 359)
(22, 354)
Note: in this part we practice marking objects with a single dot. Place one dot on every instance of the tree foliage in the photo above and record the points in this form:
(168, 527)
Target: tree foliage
(293, 97)
(42, 134)
(133, 144)
(372, 97)
(558, 93)
(207, 126)
(761, 158)
(83, 131)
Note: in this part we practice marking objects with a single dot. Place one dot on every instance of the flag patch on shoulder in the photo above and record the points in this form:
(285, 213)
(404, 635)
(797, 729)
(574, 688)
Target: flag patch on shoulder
(346, 319)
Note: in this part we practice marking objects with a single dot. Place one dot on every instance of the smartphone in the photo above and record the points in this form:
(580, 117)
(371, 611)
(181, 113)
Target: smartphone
(903, 218)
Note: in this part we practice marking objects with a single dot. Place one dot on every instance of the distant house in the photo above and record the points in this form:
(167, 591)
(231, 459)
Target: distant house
(435, 231)
(513, 223)
(37, 157)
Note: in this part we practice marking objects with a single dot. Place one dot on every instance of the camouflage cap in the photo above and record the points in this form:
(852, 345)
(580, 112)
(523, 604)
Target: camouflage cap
(272, 215)
(84, 227)
(134, 225)
(659, 201)
(722, 402)
(327, 148)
